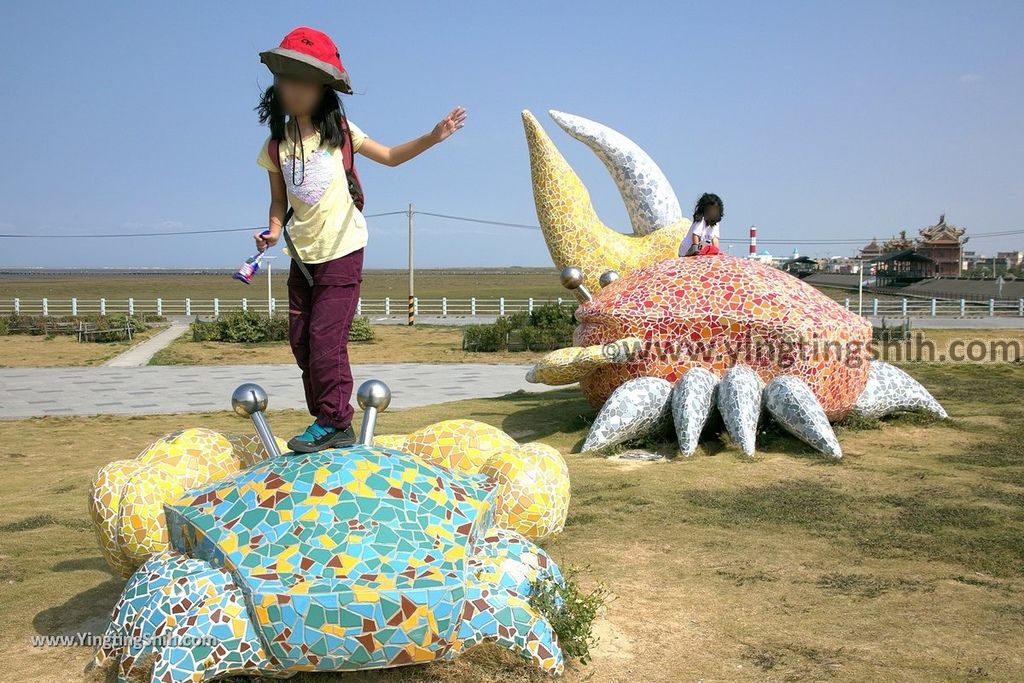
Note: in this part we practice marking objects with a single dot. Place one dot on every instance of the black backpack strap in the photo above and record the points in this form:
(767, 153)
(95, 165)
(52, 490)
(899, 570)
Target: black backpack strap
(293, 250)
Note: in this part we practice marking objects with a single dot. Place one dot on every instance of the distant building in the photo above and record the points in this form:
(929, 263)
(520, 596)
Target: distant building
(1012, 259)
(901, 268)
(872, 250)
(800, 266)
(943, 243)
(895, 244)
(764, 256)
(842, 264)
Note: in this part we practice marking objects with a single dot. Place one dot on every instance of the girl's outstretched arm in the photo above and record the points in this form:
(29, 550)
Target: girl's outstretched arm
(399, 154)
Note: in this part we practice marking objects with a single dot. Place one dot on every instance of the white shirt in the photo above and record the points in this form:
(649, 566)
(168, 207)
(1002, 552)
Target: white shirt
(706, 234)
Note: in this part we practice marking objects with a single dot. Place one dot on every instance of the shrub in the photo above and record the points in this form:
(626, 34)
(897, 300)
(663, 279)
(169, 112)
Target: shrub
(570, 611)
(483, 338)
(361, 329)
(109, 327)
(548, 327)
(241, 327)
(244, 327)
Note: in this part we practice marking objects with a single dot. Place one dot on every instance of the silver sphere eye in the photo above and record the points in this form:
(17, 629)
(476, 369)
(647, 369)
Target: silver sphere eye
(373, 394)
(249, 398)
(608, 277)
(572, 277)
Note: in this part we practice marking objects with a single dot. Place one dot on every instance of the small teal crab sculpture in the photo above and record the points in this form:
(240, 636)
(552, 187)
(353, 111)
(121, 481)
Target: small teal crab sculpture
(353, 558)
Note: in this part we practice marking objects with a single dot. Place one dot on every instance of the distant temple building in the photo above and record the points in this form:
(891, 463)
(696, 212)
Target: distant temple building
(943, 243)
(901, 243)
(871, 250)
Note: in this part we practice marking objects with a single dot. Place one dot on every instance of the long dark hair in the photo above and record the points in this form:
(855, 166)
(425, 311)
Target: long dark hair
(328, 118)
(708, 199)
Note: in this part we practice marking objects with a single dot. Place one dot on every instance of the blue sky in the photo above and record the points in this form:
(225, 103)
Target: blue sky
(813, 120)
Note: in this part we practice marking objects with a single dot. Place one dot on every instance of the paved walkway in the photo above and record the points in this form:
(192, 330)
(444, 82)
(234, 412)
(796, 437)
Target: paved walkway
(140, 354)
(30, 392)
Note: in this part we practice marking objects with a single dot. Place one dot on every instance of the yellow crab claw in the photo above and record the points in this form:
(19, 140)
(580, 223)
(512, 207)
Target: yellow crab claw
(574, 233)
(571, 364)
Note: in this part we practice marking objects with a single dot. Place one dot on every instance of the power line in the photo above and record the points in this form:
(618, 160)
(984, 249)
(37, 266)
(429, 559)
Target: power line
(168, 233)
(467, 219)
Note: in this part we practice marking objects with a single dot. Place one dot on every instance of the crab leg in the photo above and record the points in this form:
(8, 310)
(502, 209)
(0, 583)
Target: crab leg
(693, 397)
(889, 389)
(507, 560)
(794, 406)
(739, 402)
(168, 602)
(506, 617)
(635, 408)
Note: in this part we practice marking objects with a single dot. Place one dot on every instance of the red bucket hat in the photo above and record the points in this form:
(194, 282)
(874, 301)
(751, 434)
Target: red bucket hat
(310, 55)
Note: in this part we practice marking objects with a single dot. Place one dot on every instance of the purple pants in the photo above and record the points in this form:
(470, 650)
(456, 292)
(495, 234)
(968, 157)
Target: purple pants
(319, 318)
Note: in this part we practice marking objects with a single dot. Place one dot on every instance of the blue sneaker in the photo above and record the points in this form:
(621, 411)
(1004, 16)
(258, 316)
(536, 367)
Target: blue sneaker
(317, 438)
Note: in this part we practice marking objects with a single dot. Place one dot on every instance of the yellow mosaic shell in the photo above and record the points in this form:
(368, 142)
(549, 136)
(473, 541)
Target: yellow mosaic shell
(104, 505)
(193, 456)
(395, 441)
(459, 445)
(533, 489)
(141, 528)
(126, 497)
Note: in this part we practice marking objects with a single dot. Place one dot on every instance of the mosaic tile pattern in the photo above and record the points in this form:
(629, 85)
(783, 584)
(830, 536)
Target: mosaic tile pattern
(458, 445)
(574, 234)
(890, 389)
(126, 497)
(638, 407)
(693, 398)
(739, 403)
(788, 400)
(568, 365)
(718, 311)
(532, 490)
(532, 498)
(650, 201)
(715, 313)
(353, 558)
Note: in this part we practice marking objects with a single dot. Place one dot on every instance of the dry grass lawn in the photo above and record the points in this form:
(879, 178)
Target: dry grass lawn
(391, 344)
(28, 351)
(904, 562)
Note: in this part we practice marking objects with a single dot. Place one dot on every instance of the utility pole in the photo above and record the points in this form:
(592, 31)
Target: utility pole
(412, 315)
(860, 289)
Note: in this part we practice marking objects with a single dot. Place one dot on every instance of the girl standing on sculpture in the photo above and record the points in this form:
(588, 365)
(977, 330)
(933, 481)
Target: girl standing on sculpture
(702, 239)
(309, 159)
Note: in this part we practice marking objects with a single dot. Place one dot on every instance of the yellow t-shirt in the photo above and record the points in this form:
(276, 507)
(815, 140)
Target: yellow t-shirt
(326, 225)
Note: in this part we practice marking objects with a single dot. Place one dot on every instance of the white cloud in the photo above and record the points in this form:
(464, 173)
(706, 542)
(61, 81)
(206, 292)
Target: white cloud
(969, 78)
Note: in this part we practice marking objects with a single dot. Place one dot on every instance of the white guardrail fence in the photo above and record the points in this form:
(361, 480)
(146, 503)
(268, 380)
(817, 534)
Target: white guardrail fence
(443, 307)
(472, 307)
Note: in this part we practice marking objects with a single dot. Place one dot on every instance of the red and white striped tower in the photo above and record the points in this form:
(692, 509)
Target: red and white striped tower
(753, 241)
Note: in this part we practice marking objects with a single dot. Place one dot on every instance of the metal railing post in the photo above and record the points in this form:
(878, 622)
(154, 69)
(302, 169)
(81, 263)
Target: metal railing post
(74, 305)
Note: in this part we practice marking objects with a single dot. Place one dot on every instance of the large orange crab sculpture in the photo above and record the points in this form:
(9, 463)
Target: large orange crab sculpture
(667, 339)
